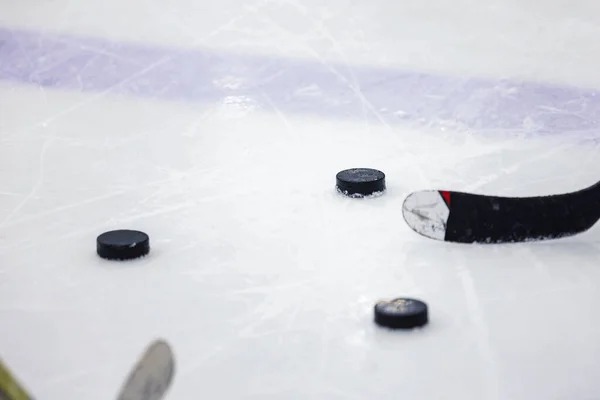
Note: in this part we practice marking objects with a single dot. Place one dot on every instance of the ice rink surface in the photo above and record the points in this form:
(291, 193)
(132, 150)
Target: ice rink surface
(218, 129)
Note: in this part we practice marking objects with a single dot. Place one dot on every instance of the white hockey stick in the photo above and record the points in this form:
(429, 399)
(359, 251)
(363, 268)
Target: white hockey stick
(152, 375)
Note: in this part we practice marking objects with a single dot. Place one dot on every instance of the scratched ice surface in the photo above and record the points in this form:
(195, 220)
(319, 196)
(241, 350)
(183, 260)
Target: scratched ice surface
(218, 130)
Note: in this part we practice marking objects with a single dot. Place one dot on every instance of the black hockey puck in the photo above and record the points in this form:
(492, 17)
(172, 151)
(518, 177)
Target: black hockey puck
(122, 245)
(401, 313)
(360, 182)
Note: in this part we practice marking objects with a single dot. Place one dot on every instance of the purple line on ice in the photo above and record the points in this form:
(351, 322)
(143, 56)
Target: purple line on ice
(314, 87)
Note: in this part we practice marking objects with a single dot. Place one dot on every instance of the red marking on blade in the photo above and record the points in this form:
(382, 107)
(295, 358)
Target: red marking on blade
(446, 196)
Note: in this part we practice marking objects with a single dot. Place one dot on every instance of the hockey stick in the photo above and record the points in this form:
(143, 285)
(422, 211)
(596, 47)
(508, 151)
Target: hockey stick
(149, 380)
(474, 218)
(152, 375)
(10, 388)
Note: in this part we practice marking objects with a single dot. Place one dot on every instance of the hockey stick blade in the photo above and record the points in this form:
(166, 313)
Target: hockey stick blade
(474, 218)
(152, 375)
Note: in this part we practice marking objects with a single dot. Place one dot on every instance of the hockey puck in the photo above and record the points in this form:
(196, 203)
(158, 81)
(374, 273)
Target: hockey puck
(122, 245)
(360, 182)
(401, 313)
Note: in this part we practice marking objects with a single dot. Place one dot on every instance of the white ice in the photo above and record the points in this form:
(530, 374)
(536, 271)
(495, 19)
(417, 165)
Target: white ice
(261, 277)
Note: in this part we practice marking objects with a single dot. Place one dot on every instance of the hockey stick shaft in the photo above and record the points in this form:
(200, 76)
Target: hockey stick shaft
(10, 388)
